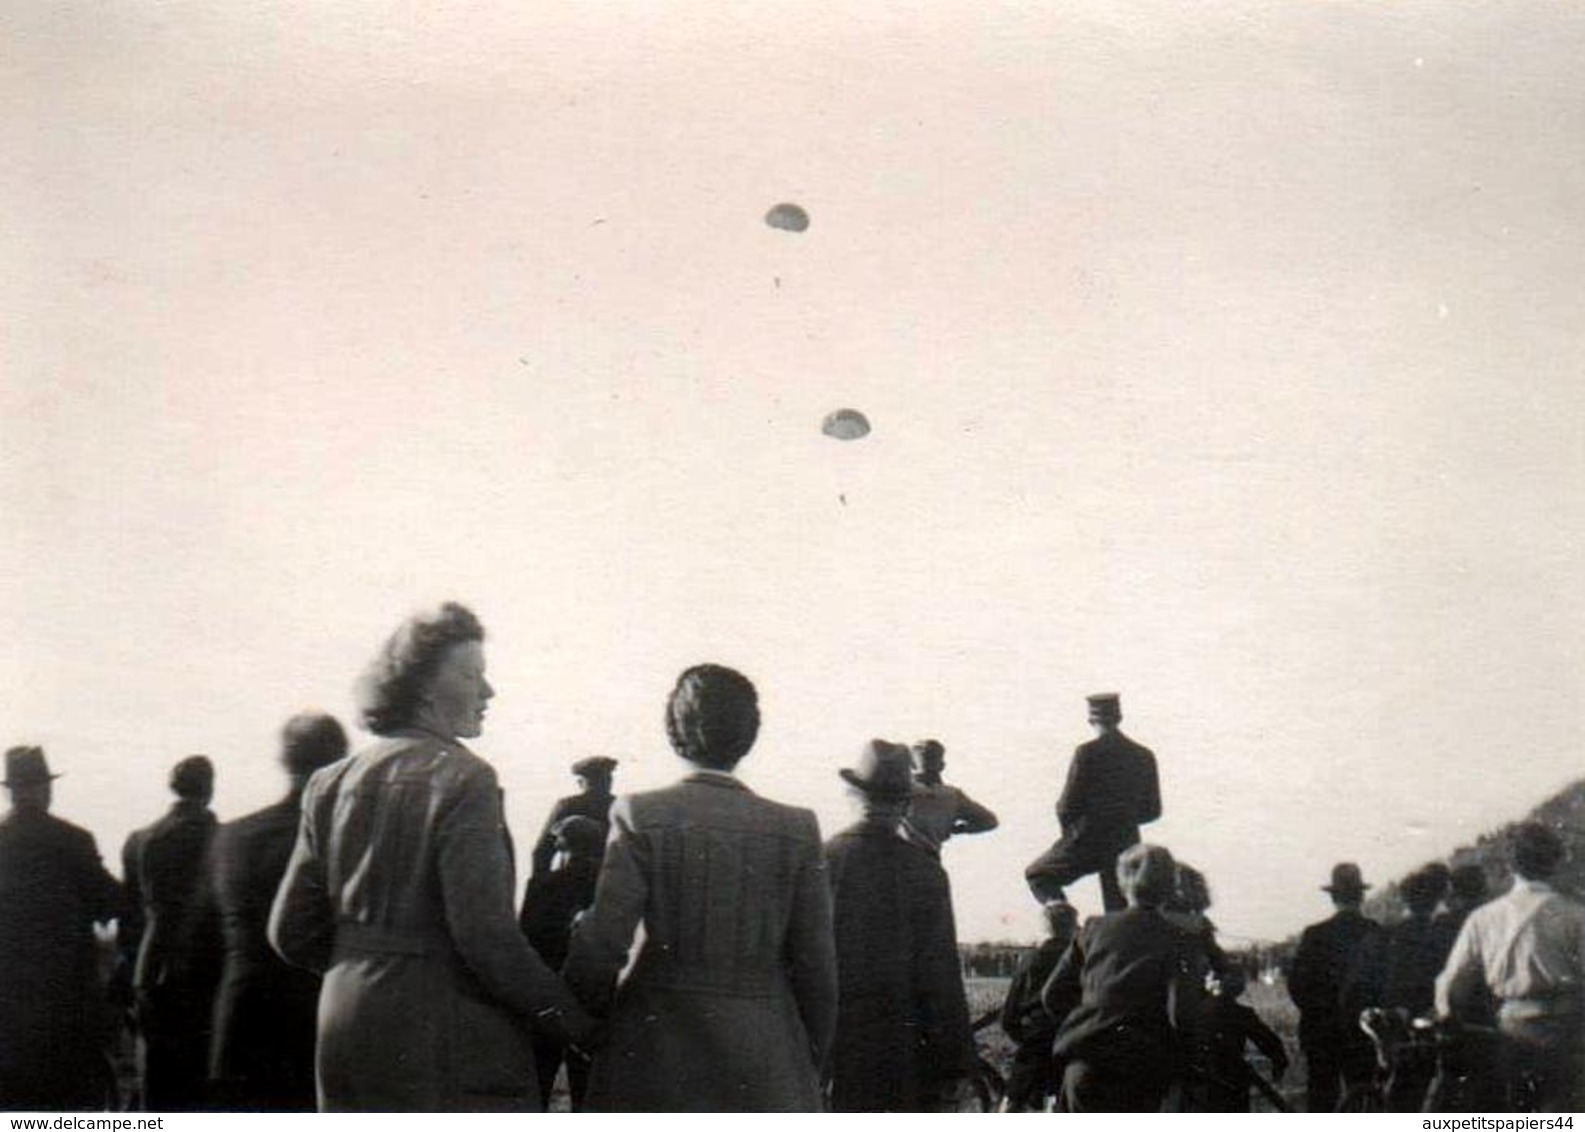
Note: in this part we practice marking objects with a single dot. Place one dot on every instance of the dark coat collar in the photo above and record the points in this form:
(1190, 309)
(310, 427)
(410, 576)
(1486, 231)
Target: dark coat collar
(726, 782)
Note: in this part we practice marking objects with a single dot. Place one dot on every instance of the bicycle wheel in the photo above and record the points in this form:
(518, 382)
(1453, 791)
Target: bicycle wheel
(1363, 1098)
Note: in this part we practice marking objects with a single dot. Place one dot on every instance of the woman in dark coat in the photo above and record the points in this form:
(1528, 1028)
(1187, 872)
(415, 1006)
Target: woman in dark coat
(730, 1003)
(903, 1042)
(1115, 990)
(401, 891)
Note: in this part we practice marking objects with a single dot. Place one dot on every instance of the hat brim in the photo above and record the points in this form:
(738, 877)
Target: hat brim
(1361, 887)
(869, 788)
(29, 781)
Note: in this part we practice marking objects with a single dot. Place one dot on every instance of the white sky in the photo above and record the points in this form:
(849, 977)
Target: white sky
(1227, 356)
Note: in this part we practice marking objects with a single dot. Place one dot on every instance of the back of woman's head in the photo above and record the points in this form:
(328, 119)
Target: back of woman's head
(712, 717)
(1147, 875)
(391, 690)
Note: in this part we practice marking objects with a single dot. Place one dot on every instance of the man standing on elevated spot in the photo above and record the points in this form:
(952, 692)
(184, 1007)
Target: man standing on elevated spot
(936, 810)
(1112, 790)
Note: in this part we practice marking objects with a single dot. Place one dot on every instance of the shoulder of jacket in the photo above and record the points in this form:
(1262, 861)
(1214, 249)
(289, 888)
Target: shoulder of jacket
(70, 832)
(257, 820)
(799, 817)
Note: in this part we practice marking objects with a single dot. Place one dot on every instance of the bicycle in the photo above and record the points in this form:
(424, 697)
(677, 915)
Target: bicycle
(987, 1087)
(1454, 1060)
(1401, 1044)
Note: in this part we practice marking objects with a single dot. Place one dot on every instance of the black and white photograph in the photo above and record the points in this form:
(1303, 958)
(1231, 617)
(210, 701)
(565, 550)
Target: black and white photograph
(841, 556)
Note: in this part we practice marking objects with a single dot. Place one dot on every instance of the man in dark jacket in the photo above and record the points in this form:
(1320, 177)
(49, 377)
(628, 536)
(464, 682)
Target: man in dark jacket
(903, 1042)
(1396, 969)
(1034, 1076)
(593, 801)
(1112, 789)
(1336, 1052)
(53, 888)
(178, 958)
(261, 1057)
(1121, 990)
(550, 904)
(1467, 890)
(1228, 1028)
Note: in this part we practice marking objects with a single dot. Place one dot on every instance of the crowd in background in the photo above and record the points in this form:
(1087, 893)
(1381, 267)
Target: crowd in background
(360, 944)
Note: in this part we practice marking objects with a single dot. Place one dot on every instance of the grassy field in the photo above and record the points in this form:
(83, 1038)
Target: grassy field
(1271, 1002)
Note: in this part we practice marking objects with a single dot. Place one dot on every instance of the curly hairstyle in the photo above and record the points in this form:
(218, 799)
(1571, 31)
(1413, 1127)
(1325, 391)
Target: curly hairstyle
(712, 717)
(391, 690)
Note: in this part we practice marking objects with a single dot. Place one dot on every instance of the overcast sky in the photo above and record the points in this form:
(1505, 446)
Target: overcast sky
(1226, 356)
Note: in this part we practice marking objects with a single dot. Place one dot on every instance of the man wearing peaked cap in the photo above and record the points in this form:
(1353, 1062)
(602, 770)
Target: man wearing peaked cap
(53, 888)
(1336, 1053)
(593, 801)
(1112, 789)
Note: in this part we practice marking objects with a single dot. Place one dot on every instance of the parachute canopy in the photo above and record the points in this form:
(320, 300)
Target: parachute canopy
(787, 217)
(845, 424)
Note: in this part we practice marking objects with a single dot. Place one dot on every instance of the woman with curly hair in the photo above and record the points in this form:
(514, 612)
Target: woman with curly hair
(400, 890)
(731, 1002)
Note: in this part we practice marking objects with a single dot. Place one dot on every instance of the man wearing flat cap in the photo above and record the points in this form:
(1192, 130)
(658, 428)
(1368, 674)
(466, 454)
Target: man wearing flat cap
(261, 1058)
(177, 940)
(1111, 790)
(903, 1042)
(1336, 1052)
(593, 801)
(53, 889)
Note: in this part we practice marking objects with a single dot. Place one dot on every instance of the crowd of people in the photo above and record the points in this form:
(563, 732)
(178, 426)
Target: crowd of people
(359, 945)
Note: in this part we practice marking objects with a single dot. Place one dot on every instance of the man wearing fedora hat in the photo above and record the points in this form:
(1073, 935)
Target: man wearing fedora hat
(593, 801)
(1336, 1053)
(903, 1042)
(1112, 789)
(178, 950)
(53, 889)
